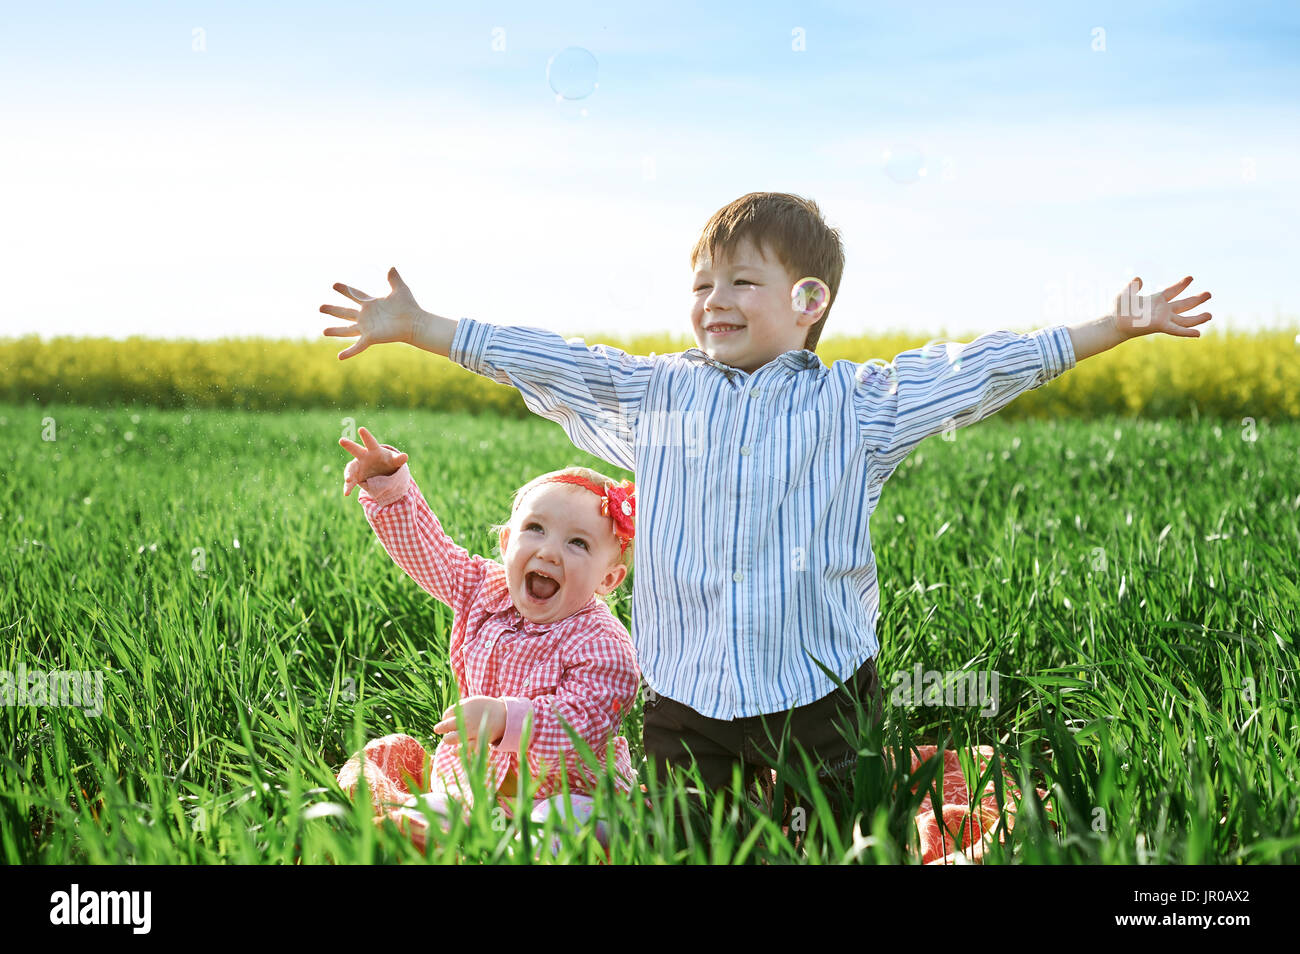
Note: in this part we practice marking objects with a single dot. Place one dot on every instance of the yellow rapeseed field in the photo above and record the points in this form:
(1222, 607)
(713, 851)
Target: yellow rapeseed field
(1223, 375)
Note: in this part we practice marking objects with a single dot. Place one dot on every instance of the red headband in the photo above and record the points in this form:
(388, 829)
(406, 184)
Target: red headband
(617, 501)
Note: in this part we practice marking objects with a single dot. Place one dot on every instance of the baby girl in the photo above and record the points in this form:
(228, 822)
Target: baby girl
(531, 640)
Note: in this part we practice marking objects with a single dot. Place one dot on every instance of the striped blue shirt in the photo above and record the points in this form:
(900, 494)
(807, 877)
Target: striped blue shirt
(755, 491)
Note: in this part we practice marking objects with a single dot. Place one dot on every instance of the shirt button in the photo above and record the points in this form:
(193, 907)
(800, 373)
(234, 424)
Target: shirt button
(737, 576)
(745, 450)
(754, 393)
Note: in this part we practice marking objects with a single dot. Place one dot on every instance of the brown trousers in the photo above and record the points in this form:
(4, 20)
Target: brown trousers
(674, 734)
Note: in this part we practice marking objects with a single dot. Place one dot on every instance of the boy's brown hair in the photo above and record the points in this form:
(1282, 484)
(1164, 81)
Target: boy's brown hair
(596, 477)
(786, 226)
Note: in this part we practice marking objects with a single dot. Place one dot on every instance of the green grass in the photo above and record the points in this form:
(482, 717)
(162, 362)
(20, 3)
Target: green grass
(1134, 584)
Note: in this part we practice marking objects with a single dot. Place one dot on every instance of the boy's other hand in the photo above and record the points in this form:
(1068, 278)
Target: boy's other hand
(1137, 315)
(380, 320)
(372, 460)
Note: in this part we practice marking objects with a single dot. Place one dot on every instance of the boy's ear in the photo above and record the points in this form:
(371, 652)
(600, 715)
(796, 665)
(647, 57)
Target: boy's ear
(808, 319)
(503, 537)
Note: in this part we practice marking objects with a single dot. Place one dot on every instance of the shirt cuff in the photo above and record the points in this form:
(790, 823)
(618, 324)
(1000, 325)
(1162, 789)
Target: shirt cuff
(1056, 349)
(383, 489)
(517, 710)
(468, 344)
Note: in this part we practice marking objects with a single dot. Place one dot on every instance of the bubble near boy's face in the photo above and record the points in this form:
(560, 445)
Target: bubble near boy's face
(741, 311)
(559, 551)
(809, 295)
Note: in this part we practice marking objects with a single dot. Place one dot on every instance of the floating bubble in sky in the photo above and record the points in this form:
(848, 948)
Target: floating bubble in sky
(903, 163)
(572, 73)
(809, 294)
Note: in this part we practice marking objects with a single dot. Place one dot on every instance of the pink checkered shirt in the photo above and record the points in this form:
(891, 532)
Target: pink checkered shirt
(581, 670)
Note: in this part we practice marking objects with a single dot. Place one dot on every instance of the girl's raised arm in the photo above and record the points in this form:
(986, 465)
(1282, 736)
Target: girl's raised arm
(405, 525)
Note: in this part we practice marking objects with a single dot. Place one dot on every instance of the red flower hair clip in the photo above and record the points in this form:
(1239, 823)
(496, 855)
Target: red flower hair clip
(617, 501)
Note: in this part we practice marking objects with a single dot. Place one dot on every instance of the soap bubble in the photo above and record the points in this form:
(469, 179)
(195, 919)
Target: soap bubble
(572, 73)
(942, 347)
(809, 294)
(903, 163)
(878, 369)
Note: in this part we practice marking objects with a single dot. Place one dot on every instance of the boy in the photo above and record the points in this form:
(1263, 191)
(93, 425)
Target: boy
(758, 469)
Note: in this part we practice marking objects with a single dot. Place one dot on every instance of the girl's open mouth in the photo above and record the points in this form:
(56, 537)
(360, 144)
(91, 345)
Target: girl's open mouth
(724, 330)
(539, 587)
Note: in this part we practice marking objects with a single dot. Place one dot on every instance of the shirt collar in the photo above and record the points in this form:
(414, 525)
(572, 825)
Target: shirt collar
(800, 360)
(793, 360)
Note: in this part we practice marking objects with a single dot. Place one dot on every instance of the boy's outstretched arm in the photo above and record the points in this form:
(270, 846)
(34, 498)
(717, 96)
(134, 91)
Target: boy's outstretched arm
(935, 388)
(945, 386)
(1136, 315)
(593, 392)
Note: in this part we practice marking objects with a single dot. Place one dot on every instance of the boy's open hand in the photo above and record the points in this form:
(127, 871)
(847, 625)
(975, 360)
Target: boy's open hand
(1137, 315)
(372, 460)
(380, 320)
(485, 717)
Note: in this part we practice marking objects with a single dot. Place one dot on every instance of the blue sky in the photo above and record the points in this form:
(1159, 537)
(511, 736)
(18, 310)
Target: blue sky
(200, 170)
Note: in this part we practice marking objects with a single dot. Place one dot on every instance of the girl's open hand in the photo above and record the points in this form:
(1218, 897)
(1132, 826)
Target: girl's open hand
(372, 460)
(1137, 315)
(485, 717)
(380, 320)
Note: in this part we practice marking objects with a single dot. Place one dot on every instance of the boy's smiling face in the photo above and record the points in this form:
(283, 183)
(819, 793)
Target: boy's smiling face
(558, 531)
(751, 291)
